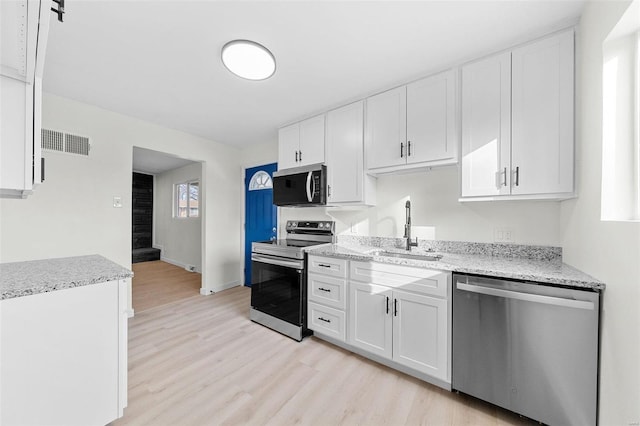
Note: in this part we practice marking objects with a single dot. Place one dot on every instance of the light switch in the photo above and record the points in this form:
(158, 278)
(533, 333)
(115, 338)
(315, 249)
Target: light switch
(117, 202)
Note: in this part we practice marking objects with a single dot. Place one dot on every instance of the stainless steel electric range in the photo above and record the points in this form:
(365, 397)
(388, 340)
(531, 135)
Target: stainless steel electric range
(279, 278)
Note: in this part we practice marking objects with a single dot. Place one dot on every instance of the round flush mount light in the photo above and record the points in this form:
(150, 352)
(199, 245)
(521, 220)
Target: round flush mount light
(248, 59)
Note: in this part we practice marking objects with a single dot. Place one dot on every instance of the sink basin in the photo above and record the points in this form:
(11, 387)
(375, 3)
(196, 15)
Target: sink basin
(407, 255)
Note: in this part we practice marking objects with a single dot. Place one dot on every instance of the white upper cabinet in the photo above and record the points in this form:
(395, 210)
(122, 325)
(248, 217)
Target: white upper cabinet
(431, 119)
(386, 128)
(412, 126)
(347, 181)
(542, 116)
(486, 126)
(517, 122)
(24, 32)
(302, 143)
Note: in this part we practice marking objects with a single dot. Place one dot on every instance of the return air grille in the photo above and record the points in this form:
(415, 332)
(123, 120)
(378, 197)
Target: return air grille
(65, 142)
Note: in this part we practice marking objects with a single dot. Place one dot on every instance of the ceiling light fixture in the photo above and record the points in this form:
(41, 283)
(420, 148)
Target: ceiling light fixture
(248, 59)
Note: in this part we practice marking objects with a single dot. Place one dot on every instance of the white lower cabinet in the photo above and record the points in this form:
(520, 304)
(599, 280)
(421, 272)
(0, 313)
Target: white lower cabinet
(399, 315)
(326, 295)
(64, 356)
(411, 329)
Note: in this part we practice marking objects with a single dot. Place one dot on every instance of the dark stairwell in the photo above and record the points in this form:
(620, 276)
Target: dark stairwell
(142, 219)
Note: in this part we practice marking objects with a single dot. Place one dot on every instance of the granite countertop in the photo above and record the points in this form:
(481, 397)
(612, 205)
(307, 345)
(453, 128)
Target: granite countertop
(19, 279)
(529, 265)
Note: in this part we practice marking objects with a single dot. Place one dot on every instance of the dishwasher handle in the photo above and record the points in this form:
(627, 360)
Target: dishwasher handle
(527, 297)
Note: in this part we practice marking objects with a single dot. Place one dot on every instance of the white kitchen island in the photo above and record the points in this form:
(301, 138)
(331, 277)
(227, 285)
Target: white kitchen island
(63, 341)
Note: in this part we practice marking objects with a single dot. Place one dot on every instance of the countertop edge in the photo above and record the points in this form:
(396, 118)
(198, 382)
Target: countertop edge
(588, 282)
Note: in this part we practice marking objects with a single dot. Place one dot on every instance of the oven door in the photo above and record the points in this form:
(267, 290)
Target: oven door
(277, 287)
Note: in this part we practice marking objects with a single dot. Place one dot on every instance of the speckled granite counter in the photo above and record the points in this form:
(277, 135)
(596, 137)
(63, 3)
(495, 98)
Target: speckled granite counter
(529, 263)
(19, 279)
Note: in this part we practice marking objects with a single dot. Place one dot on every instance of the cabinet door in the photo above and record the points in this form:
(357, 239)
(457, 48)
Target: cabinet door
(370, 320)
(542, 116)
(311, 149)
(420, 333)
(60, 355)
(288, 144)
(431, 119)
(386, 128)
(486, 127)
(345, 153)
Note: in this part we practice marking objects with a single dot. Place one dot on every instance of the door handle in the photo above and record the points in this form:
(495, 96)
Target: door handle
(387, 305)
(517, 175)
(408, 148)
(401, 150)
(296, 156)
(526, 297)
(501, 178)
(395, 307)
(309, 193)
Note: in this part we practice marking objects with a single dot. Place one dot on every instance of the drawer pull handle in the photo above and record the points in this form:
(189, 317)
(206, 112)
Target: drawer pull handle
(322, 265)
(324, 289)
(323, 319)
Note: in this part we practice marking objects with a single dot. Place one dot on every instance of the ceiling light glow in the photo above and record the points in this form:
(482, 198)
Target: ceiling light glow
(248, 59)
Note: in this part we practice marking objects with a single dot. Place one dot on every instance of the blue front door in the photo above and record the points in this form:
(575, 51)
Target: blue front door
(260, 213)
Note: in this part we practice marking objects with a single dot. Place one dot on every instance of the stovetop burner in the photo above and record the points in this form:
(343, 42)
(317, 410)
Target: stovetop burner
(300, 236)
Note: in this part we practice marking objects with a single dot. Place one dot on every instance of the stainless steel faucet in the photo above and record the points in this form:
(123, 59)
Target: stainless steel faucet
(407, 228)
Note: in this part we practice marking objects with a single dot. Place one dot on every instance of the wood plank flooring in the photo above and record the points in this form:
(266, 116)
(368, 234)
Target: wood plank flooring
(158, 283)
(201, 361)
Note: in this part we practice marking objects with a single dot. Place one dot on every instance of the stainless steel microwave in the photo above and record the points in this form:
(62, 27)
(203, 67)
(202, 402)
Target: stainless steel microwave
(300, 186)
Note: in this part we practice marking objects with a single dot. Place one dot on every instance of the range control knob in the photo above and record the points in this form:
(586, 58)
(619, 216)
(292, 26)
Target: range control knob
(327, 225)
(321, 225)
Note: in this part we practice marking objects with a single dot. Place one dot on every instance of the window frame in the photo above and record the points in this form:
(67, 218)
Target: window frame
(176, 199)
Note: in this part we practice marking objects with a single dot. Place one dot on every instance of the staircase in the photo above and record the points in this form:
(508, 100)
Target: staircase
(142, 219)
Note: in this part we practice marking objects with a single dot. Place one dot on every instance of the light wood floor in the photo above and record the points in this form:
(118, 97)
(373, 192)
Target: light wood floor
(201, 361)
(158, 283)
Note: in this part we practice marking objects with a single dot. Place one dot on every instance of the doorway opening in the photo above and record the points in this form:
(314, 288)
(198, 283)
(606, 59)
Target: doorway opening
(167, 207)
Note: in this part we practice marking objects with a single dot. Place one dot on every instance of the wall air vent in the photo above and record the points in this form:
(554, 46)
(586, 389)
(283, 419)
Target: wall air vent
(65, 142)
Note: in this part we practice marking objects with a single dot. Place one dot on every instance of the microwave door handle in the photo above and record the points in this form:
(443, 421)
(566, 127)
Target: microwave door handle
(309, 191)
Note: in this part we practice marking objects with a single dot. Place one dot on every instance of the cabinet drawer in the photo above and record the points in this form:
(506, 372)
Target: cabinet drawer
(418, 280)
(328, 266)
(327, 321)
(327, 290)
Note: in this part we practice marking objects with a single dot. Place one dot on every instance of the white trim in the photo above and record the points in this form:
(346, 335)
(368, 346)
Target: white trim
(178, 263)
(130, 313)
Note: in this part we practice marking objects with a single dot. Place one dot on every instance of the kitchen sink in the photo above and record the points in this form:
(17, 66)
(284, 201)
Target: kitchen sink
(407, 255)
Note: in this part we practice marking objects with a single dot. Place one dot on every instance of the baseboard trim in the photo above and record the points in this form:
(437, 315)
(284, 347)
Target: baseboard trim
(178, 263)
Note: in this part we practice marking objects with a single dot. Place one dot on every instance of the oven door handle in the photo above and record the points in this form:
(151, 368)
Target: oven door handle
(309, 191)
(294, 264)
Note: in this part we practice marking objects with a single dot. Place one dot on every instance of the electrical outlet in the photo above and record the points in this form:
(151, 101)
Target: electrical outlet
(503, 235)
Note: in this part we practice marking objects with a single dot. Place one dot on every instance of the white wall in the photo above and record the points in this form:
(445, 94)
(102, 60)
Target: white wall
(610, 251)
(436, 212)
(72, 214)
(179, 238)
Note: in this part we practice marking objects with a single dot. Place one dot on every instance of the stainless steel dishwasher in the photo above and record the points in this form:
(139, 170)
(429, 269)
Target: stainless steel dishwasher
(527, 347)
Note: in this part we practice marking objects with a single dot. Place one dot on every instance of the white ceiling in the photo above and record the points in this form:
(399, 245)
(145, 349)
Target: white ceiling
(160, 60)
(154, 162)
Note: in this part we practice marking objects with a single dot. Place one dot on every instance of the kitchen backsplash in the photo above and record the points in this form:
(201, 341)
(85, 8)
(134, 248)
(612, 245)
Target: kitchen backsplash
(438, 215)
